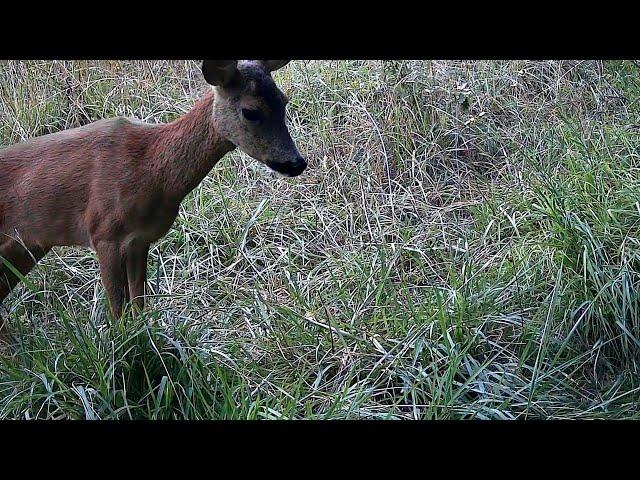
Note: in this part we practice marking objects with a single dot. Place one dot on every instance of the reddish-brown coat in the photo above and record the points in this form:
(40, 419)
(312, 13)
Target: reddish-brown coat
(114, 185)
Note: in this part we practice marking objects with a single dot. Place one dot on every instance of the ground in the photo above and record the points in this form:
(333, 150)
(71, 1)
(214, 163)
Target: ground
(464, 244)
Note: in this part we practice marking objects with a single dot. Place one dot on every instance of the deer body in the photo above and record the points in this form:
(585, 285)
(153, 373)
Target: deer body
(116, 185)
(112, 180)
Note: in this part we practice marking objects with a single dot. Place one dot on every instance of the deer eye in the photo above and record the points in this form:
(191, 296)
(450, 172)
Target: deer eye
(251, 115)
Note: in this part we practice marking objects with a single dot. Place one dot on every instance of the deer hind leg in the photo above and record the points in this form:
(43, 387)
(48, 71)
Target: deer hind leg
(114, 275)
(137, 273)
(22, 260)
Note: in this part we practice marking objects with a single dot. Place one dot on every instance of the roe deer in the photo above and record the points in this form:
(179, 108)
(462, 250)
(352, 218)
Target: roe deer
(115, 185)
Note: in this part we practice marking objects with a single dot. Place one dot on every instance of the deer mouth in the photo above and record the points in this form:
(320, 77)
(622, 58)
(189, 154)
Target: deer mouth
(290, 169)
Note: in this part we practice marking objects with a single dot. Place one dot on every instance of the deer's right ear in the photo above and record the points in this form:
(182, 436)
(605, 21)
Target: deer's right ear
(219, 72)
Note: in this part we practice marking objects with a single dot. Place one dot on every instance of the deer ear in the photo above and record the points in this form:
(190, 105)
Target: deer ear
(273, 65)
(219, 72)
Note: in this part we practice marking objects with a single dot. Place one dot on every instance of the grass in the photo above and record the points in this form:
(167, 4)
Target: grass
(465, 244)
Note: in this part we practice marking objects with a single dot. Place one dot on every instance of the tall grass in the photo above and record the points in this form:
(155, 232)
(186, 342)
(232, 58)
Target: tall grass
(463, 245)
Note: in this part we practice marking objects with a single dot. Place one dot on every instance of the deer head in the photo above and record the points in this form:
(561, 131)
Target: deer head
(249, 111)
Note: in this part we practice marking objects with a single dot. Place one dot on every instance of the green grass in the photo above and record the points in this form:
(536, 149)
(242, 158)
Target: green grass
(132, 370)
(465, 244)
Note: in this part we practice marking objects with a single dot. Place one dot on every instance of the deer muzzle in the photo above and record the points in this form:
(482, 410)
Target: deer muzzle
(289, 168)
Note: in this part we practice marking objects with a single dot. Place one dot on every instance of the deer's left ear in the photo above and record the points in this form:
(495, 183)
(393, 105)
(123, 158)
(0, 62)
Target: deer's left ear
(273, 65)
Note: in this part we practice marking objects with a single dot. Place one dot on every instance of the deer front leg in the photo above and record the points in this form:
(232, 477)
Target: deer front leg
(114, 275)
(137, 273)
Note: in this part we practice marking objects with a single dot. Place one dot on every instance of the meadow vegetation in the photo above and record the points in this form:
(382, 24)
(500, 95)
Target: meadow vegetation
(464, 244)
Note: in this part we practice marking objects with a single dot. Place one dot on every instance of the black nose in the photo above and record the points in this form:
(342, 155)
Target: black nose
(299, 166)
(291, 168)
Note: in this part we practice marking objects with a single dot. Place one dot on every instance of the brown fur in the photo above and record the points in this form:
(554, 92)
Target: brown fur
(116, 186)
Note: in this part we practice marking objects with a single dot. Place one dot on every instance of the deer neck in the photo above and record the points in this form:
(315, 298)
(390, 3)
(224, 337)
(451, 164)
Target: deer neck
(187, 149)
